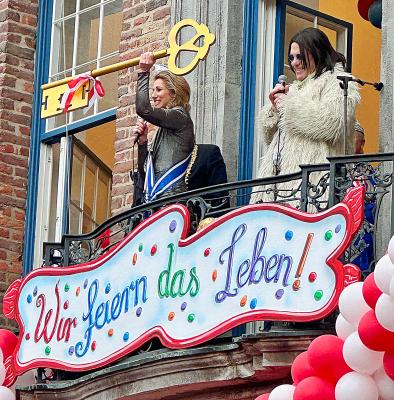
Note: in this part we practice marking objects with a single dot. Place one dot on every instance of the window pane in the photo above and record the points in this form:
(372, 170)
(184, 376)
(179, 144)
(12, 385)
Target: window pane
(74, 218)
(332, 35)
(112, 27)
(62, 45)
(64, 8)
(90, 184)
(54, 187)
(76, 178)
(110, 84)
(103, 189)
(88, 35)
(87, 224)
(88, 3)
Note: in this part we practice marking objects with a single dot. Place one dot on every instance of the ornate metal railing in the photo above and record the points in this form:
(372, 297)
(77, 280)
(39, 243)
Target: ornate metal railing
(314, 188)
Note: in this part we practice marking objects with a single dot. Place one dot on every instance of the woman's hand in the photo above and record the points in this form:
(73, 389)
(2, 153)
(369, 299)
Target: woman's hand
(141, 131)
(146, 61)
(276, 95)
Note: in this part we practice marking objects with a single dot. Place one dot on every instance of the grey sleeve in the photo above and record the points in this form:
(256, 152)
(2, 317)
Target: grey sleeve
(173, 118)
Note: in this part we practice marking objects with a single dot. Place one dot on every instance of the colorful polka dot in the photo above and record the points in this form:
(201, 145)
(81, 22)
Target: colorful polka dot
(183, 306)
(66, 287)
(134, 258)
(94, 345)
(126, 336)
(338, 228)
(78, 291)
(35, 291)
(108, 288)
(139, 311)
(312, 276)
(140, 247)
(172, 226)
(191, 318)
(214, 275)
(296, 284)
(243, 301)
(253, 304)
(328, 235)
(110, 332)
(71, 350)
(47, 350)
(65, 305)
(207, 252)
(85, 284)
(27, 337)
(318, 295)
(279, 293)
(153, 250)
(29, 298)
(171, 316)
(289, 235)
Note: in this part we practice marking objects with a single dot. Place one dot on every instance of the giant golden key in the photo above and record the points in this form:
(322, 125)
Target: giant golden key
(52, 92)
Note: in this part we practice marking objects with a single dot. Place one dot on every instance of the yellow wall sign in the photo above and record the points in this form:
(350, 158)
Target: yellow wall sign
(52, 97)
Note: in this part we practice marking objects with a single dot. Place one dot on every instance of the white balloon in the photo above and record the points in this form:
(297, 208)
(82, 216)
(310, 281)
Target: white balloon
(352, 304)
(391, 288)
(359, 357)
(343, 328)
(384, 272)
(6, 393)
(282, 392)
(384, 311)
(356, 386)
(2, 373)
(390, 249)
(384, 384)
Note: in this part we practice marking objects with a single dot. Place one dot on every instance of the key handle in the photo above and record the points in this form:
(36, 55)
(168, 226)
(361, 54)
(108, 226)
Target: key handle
(175, 49)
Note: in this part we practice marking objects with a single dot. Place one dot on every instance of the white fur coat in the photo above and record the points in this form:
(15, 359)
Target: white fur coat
(311, 121)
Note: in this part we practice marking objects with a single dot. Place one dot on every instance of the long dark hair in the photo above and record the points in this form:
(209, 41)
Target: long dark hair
(315, 42)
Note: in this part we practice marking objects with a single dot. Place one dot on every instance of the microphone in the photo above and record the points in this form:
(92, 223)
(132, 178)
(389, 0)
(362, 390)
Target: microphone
(282, 80)
(139, 134)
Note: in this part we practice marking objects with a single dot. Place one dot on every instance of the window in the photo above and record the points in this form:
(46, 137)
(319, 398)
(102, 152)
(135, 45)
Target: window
(85, 36)
(76, 151)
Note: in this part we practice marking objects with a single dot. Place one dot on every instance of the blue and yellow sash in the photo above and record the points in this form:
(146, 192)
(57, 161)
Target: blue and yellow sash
(153, 187)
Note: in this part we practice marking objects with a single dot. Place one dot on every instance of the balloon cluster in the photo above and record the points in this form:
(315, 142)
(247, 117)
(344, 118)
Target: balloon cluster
(371, 10)
(8, 341)
(358, 363)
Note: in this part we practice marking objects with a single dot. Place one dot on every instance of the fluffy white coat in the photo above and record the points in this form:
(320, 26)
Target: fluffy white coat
(311, 122)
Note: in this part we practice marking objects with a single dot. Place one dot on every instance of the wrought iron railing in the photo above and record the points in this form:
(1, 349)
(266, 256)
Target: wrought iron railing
(314, 188)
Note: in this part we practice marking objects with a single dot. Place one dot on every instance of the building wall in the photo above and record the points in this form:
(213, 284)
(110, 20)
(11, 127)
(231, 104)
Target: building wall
(18, 21)
(145, 28)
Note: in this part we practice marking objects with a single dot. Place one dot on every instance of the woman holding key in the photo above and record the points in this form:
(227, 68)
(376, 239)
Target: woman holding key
(168, 155)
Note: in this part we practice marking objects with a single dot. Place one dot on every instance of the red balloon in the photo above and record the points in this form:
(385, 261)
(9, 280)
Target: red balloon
(326, 358)
(371, 292)
(264, 396)
(301, 368)
(373, 335)
(8, 341)
(314, 388)
(363, 7)
(388, 364)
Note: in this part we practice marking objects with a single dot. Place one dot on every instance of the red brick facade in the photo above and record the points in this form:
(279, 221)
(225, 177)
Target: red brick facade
(145, 28)
(18, 21)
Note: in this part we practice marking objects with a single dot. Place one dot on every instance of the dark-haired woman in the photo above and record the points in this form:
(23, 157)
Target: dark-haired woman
(304, 122)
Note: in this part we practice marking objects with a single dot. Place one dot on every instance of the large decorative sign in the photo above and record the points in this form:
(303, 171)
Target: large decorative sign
(257, 262)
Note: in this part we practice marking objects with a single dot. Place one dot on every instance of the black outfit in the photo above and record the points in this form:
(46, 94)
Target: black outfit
(208, 169)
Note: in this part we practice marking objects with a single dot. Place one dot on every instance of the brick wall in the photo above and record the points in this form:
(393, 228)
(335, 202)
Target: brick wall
(146, 24)
(18, 20)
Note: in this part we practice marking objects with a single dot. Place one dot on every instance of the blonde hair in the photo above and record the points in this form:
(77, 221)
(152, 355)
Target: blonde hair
(178, 87)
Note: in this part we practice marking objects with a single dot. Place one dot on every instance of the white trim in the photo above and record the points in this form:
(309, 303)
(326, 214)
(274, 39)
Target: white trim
(265, 55)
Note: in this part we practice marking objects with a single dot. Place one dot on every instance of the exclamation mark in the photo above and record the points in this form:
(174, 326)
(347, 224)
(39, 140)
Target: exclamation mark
(301, 264)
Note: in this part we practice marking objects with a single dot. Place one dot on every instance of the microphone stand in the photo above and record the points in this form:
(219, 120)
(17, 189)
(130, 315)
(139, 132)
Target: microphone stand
(344, 84)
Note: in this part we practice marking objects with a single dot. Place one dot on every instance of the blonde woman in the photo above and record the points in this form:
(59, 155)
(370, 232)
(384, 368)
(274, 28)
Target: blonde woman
(168, 156)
